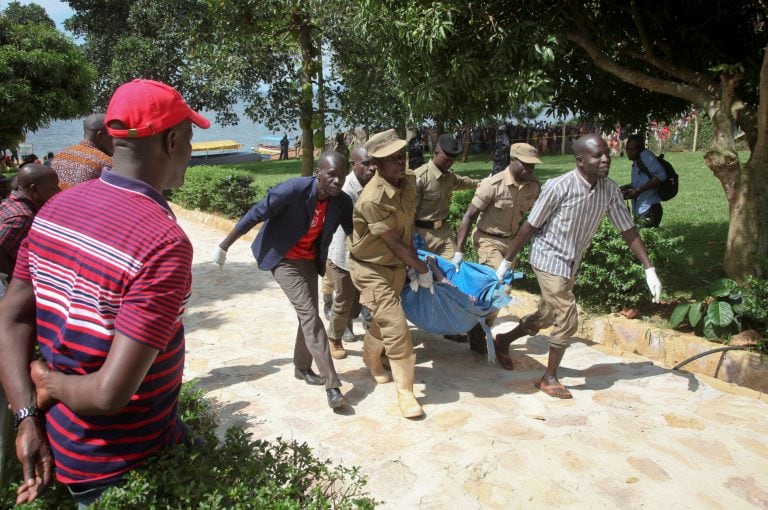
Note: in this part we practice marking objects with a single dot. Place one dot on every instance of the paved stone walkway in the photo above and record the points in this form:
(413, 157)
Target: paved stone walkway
(636, 435)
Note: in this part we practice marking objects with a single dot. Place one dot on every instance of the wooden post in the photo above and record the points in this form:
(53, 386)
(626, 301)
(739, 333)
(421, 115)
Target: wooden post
(695, 130)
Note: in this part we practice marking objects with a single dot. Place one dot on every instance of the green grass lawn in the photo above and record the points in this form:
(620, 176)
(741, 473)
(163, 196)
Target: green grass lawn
(699, 213)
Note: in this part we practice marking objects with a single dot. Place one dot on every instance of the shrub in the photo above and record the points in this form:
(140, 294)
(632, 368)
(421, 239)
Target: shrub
(610, 277)
(238, 473)
(715, 311)
(217, 189)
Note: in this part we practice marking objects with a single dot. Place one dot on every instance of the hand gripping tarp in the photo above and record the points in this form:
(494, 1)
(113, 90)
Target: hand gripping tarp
(455, 309)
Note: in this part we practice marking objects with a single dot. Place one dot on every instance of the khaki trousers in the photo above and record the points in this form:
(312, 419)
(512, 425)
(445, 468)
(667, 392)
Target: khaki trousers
(557, 308)
(298, 279)
(346, 301)
(380, 288)
(440, 241)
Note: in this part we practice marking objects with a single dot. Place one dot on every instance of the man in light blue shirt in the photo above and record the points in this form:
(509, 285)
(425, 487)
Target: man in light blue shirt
(647, 175)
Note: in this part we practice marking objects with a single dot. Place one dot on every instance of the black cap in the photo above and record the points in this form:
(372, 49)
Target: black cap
(449, 145)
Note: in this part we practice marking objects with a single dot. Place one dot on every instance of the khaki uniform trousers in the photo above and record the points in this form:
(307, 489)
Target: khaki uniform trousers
(439, 241)
(380, 288)
(298, 279)
(326, 284)
(490, 252)
(557, 308)
(346, 301)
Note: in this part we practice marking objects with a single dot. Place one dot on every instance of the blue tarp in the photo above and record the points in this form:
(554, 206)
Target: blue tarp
(453, 310)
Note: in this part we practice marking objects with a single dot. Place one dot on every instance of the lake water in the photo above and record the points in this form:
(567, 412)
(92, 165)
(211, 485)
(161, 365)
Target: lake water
(63, 133)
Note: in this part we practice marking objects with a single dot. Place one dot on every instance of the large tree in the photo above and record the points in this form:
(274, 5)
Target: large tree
(263, 53)
(631, 60)
(44, 76)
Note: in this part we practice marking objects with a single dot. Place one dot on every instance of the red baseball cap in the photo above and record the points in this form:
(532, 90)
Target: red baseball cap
(148, 107)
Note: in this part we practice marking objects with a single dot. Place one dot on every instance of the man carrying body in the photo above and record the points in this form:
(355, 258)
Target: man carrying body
(563, 221)
(647, 175)
(346, 299)
(300, 216)
(85, 161)
(499, 205)
(435, 183)
(36, 183)
(100, 283)
(380, 250)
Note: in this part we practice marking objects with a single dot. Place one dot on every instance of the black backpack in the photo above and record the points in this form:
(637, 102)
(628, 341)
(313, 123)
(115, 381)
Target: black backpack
(668, 188)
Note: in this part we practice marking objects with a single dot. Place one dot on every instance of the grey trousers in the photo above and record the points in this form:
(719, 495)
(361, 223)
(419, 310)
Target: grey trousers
(346, 301)
(298, 279)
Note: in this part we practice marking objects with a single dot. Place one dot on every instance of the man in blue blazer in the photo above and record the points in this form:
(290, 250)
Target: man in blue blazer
(300, 216)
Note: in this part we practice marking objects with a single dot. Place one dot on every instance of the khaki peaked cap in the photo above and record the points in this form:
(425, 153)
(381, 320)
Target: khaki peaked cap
(384, 144)
(525, 153)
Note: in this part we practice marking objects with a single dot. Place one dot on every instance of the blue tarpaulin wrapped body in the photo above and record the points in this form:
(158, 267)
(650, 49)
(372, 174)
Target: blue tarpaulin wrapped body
(456, 309)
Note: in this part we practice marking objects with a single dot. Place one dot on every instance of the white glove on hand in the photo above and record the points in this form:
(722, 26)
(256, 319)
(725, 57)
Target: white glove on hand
(413, 279)
(654, 284)
(427, 281)
(219, 256)
(501, 271)
(458, 258)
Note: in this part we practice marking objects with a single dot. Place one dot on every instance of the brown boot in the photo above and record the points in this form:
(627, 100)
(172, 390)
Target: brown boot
(372, 351)
(403, 373)
(337, 349)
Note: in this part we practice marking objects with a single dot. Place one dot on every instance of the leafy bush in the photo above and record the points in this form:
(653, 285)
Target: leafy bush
(610, 277)
(238, 473)
(715, 312)
(219, 190)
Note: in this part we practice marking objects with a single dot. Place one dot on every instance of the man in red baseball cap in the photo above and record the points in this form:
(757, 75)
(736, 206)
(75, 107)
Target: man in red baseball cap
(100, 284)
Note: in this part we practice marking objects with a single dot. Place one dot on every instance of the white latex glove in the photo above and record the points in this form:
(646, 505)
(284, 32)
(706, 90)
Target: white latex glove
(219, 256)
(413, 278)
(458, 258)
(501, 271)
(427, 281)
(654, 284)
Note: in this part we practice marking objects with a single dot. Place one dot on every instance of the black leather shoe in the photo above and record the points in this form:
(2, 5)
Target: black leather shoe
(335, 398)
(461, 339)
(309, 376)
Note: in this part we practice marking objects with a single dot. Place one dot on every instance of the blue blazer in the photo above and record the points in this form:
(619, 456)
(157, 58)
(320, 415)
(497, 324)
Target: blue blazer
(287, 211)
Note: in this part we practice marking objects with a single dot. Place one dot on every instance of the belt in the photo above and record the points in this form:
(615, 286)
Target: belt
(495, 235)
(430, 224)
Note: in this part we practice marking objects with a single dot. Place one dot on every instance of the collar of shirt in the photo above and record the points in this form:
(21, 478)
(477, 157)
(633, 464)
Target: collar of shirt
(436, 172)
(509, 180)
(583, 180)
(135, 186)
(24, 199)
(352, 184)
(389, 190)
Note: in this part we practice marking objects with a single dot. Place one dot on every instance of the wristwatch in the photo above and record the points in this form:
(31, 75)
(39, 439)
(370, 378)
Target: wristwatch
(24, 413)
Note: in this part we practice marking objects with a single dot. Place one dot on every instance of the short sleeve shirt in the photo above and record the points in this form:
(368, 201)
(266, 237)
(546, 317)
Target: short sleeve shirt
(503, 201)
(567, 215)
(16, 215)
(381, 208)
(434, 189)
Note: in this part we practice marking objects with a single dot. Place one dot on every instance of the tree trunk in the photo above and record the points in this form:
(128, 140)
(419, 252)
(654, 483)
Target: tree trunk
(305, 120)
(467, 142)
(321, 102)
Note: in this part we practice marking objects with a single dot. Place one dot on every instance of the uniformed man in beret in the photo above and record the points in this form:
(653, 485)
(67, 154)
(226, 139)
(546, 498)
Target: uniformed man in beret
(435, 183)
(380, 250)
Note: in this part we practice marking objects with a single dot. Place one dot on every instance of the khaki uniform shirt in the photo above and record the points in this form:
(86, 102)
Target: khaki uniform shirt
(381, 208)
(502, 201)
(434, 189)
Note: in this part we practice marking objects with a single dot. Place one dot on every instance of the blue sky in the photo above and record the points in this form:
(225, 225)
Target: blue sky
(57, 10)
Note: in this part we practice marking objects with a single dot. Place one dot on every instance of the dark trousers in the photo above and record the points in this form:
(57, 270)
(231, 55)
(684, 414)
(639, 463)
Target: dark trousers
(651, 218)
(298, 279)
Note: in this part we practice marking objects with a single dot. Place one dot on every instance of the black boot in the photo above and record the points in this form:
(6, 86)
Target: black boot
(477, 341)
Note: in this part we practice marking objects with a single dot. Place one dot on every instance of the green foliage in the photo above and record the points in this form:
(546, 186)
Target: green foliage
(715, 311)
(43, 75)
(238, 473)
(218, 189)
(610, 277)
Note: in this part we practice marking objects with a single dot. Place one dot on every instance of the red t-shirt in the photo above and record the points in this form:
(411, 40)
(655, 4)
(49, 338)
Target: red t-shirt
(305, 248)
